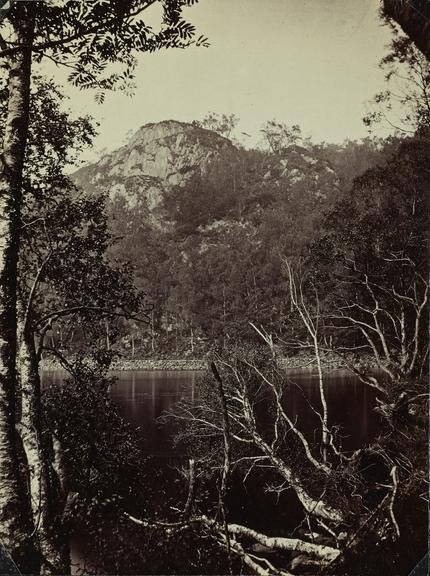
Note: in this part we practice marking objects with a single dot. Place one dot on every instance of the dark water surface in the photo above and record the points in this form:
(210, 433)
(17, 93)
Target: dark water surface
(143, 396)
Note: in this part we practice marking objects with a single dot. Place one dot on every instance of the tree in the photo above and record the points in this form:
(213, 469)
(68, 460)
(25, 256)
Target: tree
(15, 515)
(279, 136)
(376, 247)
(352, 158)
(348, 512)
(71, 282)
(63, 275)
(230, 226)
(46, 155)
(407, 73)
(89, 38)
(203, 200)
(223, 124)
(95, 453)
(413, 17)
(311, 320)
(246, 429)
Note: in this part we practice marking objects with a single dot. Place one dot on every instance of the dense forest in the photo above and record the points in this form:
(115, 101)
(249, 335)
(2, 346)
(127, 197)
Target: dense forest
(186, 243)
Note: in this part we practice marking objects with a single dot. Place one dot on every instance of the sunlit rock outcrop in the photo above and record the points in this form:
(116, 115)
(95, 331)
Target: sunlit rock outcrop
(157, 157)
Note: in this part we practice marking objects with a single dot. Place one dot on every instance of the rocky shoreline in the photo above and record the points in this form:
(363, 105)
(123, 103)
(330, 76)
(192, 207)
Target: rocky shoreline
(160, 364)
(143, 364)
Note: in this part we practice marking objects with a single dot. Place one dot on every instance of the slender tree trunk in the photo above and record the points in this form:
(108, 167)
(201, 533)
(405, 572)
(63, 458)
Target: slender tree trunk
(224, 307)
(15, 513)
(46, 504)
(107, 335)
(227, 459)
(192, 340)
(325, 430)
(176, 333)
(152, 332)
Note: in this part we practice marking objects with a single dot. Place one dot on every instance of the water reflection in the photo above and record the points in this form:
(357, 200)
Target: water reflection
(143, 396)
(350, 405)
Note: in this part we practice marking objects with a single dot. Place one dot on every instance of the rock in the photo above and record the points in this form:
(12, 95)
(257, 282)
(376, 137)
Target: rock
(156, 158)
(166, 154)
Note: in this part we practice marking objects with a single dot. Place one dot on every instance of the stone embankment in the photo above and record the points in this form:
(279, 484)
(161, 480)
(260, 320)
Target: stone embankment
(159, 364)
(329, 362)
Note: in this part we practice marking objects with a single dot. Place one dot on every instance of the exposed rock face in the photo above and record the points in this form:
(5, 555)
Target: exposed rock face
(167, 154)
(157, 157)
(297, 164)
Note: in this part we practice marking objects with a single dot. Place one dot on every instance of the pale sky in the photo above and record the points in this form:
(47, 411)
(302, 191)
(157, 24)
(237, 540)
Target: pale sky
(307, 62)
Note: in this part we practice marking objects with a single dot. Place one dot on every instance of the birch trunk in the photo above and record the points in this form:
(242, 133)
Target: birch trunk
(325, 430)
(192, 340)
(15, 513)
(46, 504)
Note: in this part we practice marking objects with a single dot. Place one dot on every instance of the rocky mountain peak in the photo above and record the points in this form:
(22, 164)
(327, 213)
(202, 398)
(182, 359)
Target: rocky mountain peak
(158, 156)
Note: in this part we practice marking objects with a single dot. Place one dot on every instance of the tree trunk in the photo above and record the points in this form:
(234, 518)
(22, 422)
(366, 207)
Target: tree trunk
(46, 503)
(15, 513)
(192, 340)
(413, 16)
(107, 335)
(152, 332)
(325, 430)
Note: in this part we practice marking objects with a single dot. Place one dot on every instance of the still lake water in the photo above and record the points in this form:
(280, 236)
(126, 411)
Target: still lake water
(143, 396)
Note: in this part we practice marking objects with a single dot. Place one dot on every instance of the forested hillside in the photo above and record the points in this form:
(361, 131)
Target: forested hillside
(205, 225)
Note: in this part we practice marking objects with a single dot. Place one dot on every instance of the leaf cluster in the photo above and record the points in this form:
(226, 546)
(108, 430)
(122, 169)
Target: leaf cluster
(98, 40)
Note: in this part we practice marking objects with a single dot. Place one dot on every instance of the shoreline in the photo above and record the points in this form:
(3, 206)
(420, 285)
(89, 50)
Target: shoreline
(199, 365)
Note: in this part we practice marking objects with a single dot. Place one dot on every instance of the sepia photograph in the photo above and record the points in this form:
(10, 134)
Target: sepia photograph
(214, 287)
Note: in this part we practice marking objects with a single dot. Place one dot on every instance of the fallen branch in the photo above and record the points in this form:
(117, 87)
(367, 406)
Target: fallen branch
(320, 551)
(191, 489)
(395, 477)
